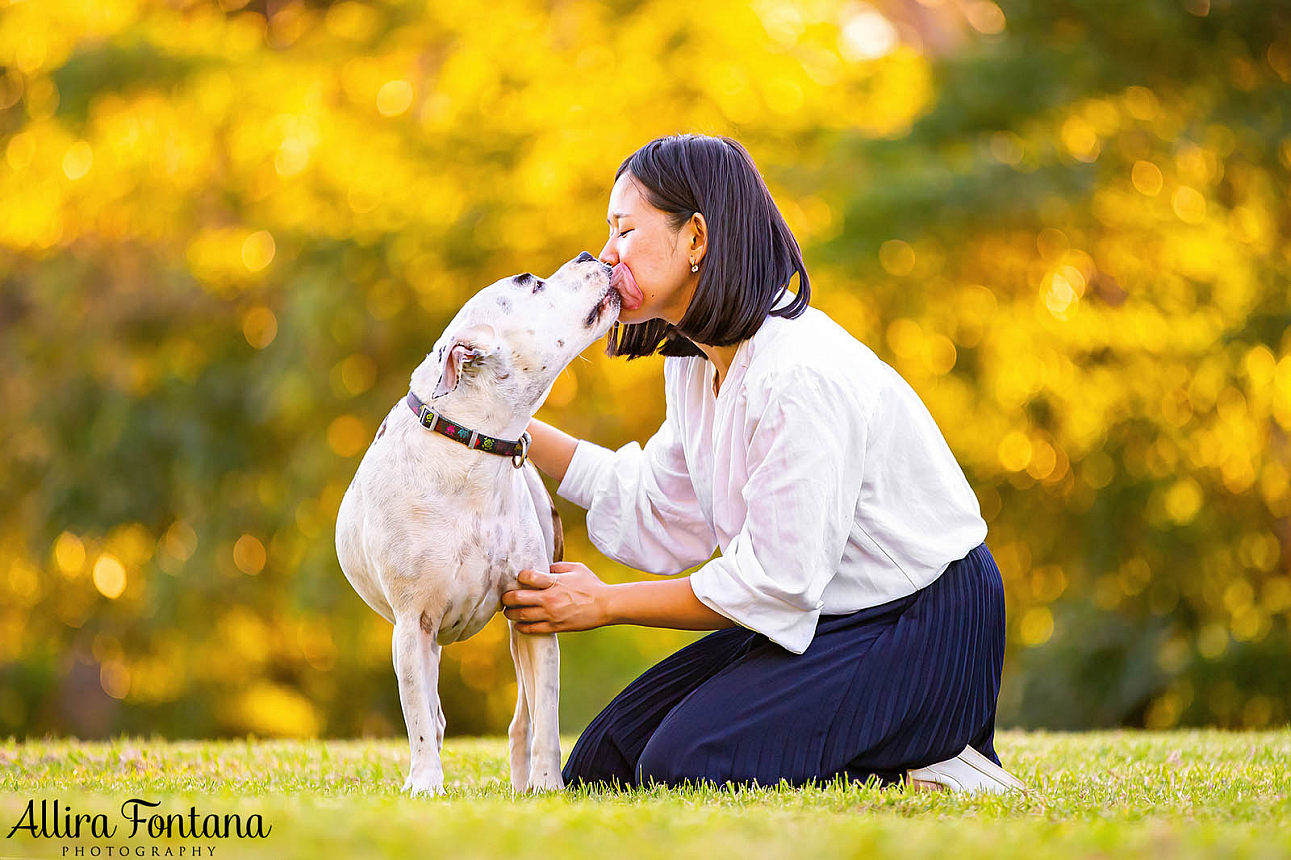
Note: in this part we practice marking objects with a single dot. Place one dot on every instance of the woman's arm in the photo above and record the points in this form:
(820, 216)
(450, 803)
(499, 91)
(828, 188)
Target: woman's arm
(641, 506)
(550, 449)
(571, 598)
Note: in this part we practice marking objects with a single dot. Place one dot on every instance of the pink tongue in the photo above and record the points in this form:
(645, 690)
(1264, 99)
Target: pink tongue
(621, 279)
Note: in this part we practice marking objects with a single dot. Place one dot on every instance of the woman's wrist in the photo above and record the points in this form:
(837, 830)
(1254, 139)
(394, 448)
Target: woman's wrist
(611, 604)
(667, 603)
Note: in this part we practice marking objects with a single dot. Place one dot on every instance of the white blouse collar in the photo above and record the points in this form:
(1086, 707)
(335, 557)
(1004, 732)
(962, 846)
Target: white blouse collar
(744, 352)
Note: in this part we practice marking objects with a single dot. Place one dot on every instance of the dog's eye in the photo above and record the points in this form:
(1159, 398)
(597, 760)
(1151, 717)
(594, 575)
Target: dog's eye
(625, 232)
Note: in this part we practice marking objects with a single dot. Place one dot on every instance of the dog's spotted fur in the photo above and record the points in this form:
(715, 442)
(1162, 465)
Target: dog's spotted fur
(430, 533)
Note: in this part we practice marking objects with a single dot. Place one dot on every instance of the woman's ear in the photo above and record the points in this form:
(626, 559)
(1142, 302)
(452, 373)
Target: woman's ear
(466, 349)
(697, 228)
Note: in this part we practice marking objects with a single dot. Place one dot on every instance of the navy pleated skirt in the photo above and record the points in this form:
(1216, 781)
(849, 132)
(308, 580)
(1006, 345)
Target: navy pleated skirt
(901, 685)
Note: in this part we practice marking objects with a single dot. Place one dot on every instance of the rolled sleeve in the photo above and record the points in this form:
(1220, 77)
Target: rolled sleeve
(806, 463)
(641, 506)
(587, 468)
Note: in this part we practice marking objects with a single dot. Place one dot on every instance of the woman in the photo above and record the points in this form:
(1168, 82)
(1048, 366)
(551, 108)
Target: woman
(859, 615)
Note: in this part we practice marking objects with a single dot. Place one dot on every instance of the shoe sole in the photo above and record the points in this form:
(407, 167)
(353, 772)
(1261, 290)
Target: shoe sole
(915, 785)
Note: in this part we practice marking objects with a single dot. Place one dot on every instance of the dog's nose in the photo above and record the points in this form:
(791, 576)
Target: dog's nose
(584, 257)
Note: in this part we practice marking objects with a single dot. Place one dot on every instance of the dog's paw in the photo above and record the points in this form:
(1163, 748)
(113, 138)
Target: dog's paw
(423, 786)
(544, 781)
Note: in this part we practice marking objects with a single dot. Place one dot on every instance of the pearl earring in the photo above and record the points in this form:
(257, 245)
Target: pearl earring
(694, 267)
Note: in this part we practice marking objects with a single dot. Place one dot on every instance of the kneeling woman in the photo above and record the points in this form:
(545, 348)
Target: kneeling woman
(859, 615)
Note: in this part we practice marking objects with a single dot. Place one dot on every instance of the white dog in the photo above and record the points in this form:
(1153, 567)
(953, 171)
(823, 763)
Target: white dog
(444, 511)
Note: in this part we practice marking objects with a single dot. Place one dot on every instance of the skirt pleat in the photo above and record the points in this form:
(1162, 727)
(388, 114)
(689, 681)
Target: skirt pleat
(887, 688)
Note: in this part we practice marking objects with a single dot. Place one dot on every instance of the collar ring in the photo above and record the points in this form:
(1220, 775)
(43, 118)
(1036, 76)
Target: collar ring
(521, 455)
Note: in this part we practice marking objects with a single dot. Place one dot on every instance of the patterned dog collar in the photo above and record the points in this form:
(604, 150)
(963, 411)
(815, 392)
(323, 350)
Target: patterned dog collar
(517, 450)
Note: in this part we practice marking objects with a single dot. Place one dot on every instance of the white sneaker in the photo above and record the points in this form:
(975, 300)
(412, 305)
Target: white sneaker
(969, 771)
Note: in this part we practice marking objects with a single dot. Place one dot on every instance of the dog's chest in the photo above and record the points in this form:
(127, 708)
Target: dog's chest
(494, 542)
(493, 548)
(430, 530)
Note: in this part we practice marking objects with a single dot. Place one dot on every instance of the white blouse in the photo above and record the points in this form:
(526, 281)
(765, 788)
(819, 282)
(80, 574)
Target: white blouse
(816, 468)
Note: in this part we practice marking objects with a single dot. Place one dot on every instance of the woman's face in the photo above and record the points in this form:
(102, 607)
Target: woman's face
(658, 283)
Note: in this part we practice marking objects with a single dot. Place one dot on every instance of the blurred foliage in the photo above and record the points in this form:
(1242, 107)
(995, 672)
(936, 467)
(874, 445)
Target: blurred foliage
(229, 230)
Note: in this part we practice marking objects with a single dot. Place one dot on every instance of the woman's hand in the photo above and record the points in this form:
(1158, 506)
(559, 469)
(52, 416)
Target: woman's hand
(568, 598)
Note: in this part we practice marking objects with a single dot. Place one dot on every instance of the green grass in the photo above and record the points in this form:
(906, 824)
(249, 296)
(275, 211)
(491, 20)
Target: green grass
(1174, 795)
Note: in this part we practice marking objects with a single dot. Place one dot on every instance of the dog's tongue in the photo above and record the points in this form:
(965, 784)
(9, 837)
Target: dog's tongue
(621, 279)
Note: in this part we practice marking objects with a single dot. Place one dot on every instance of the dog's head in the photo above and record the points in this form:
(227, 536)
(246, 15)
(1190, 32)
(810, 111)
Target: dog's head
(515, 336)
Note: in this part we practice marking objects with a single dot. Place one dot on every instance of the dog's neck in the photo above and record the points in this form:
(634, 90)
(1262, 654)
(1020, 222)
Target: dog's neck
(474, 404)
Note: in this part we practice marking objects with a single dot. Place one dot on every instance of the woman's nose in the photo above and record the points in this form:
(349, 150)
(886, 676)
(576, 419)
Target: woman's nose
(608, 255)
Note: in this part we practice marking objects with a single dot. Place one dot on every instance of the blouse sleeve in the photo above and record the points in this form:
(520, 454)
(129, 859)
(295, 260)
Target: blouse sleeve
(641, 506)
(805, 461)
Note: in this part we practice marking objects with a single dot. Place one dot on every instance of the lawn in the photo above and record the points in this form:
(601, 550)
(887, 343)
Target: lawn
(1175, 795)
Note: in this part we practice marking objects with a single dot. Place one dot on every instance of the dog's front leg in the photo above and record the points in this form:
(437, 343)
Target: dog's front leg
(518, 735)
(443, 721)
(416, 665)
(540, 662)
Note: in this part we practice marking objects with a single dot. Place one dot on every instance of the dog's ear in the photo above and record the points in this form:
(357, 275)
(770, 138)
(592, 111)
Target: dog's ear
(466, 348)
(455, 355)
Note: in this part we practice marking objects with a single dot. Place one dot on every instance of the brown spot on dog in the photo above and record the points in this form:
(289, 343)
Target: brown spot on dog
(427, 625)
(382, 431)
(557, 530)
(498, 570)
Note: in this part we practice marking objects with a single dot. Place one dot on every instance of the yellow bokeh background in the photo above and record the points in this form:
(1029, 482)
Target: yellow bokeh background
(230, 230)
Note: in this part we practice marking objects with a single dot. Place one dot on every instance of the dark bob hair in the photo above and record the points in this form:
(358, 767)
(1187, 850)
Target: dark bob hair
(751, 255)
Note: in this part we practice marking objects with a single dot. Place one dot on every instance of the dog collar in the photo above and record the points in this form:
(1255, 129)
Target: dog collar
(517, 450)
